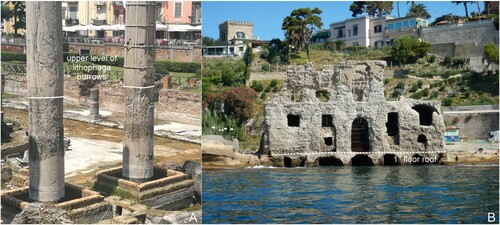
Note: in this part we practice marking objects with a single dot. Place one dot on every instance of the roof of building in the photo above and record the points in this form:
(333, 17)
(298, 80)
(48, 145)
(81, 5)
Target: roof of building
(236, 22)
(363, 17)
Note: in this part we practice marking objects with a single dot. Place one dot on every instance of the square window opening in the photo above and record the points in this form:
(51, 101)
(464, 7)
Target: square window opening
(293, 120)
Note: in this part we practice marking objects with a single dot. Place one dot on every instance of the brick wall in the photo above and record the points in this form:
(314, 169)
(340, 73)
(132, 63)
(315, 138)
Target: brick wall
(178, 54)
(173, 105)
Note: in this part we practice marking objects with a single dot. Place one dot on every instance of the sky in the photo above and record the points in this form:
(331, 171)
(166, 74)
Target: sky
(267, 16)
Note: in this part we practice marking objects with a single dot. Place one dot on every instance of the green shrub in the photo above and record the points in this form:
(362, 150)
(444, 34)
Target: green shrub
(467, 94)
(386, 80)
(460, 62)
(184, 67)
(263, 96)
(253, 84)
(416, 95)
(425, 92)
(420, 83)
(448, 60)
(265, 67)
(276, 89)
(273, 83)
(414, 88)
(447, 102)
(11, 56)
(432, 59)
(401, 85)
(258, 87)
(434, 94)
(268, 88)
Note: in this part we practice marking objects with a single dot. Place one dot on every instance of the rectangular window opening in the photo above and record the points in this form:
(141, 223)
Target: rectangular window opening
(326, 121)
(392, 124)
(293, 120)
(328, 141)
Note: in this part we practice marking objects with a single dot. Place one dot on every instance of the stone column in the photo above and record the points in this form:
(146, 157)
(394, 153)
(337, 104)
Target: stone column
(94, 105)
(139, 81)
(44, 66)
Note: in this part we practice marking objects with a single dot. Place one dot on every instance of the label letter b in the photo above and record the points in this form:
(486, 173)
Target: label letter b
(491, 217)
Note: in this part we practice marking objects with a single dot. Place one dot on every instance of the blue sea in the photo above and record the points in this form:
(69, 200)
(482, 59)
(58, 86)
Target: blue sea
(379, 194)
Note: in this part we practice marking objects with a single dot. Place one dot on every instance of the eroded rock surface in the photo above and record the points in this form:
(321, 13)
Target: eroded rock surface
(340, 112)
(40, 213)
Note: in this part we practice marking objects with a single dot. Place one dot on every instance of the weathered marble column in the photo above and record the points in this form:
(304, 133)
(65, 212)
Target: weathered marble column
(94, 105)
(139, 81)
(44, 67)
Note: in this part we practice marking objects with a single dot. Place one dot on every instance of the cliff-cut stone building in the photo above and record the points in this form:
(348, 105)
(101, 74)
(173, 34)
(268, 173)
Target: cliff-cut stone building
(339, 116)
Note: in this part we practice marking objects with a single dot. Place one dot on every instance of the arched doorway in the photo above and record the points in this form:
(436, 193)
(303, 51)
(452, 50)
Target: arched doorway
(329, 161)
(360, 141)
(361, 160)
(391, 160)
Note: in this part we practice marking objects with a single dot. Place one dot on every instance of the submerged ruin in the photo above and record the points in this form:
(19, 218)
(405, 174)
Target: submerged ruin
(339, 116)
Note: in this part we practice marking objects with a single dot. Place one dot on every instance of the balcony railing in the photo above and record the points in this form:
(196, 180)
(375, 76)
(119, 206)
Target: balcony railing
(99, 22)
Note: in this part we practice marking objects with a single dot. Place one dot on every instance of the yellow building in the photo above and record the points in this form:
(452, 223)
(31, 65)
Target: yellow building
(99, 13)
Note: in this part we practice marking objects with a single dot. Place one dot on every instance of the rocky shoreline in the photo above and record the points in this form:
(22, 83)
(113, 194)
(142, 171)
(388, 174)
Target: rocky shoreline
(219, 153)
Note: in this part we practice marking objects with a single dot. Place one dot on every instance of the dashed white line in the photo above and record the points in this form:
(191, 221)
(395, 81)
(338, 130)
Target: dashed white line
(331, 153)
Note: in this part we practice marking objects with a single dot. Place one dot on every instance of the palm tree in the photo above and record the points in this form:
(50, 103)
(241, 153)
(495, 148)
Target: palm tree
(465, 5)
(418, 10)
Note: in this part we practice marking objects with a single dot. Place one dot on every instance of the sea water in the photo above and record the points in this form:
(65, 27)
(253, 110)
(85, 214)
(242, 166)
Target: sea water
(378, 194)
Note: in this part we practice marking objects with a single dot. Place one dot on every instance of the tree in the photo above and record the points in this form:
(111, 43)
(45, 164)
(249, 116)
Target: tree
(300, 25)
(409, 48)
(447, 17)
(490, 54)
(418, 10)
(19, 14)
(6, 13)
(465, 5)
(329, 45)
(340, 45)
(208, 41)
(276, 52)
(248, 57)
(371, 8)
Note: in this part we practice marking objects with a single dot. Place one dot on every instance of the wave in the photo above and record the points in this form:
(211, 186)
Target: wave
(260, 167)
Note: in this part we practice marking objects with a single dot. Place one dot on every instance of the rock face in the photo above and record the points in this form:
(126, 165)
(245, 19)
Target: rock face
(178, 218)
(193, 170)
(220, 153)
(39, 213)
(339, 116)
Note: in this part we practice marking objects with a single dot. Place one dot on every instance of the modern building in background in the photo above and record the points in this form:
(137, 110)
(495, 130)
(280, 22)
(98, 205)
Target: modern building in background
(234, 37)
(375, 32)
(180, 20)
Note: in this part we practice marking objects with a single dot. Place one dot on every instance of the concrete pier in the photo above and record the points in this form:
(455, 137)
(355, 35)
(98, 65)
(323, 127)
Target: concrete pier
(45, 95)
(94, 105)
(139, 81)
